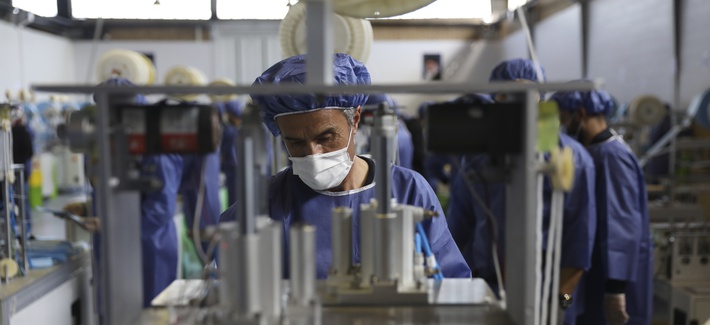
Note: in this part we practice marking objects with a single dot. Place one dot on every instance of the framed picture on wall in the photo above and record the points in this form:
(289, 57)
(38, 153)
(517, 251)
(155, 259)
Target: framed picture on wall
(432, 67)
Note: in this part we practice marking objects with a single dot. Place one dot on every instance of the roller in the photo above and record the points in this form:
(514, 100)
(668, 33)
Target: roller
(223, 82)
(647, 110)
(185, 76)
(131, 65)
(351, 35)
(8, 268)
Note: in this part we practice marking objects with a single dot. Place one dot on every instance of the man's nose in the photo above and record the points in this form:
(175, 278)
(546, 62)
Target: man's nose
(314, 148)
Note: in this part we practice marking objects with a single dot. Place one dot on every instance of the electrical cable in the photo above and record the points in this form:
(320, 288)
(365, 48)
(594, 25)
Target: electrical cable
(557, 201)
(531, 45)
(431, 258)
(196, 237)
(494, 235)
(549, 258)
(538, 246)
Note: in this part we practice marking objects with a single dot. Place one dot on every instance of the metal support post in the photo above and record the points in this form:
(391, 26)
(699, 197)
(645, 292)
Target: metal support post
(341, 239)
(120, 289)
(319, 66)
(302, 263)
(521, 207)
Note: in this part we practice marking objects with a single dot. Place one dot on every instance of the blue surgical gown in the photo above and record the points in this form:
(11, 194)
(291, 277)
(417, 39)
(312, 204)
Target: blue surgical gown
(623, 249)
(292, 201)
(405, 146)
(435, 169)
(471, 230)
(229, 161)
(190, 185)
(159, 239)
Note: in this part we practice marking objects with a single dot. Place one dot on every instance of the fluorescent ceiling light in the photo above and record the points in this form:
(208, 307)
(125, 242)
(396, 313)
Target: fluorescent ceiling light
(451, 9)
(44, 8)
(515, 4)
(252, 9)
(142, 9)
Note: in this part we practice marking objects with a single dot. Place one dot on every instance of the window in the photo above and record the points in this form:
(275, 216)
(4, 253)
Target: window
(251, 9)
(44, 8)
(142, 9)
(515, 4)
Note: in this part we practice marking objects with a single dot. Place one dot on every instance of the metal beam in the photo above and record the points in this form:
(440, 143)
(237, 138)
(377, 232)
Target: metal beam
(271, 89)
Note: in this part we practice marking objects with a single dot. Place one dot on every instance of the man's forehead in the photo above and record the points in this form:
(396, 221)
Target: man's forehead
(314, 122)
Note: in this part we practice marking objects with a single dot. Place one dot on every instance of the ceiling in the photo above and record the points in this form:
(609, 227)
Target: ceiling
(64, 26)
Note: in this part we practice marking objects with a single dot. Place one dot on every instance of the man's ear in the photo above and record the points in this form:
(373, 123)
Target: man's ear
(356, 118)
(582, 113)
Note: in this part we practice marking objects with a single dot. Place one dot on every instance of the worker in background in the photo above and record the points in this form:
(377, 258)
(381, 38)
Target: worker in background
(22, 151)
(436, 168)
(231, 112)
(473, 232)
(405, 147)
(200, 177)
(620, 280)
(159, 239)
(319, 135)
(415, 125)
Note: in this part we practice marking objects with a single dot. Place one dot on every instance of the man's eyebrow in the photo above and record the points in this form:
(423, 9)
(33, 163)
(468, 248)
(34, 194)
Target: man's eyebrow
(330, 130)
(292, 138)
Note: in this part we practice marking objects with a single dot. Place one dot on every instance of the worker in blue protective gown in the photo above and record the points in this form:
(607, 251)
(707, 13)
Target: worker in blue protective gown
(473, 231)
(232, 113)
(159, 240)
(619, 285)
(318, 132)
(437, 168)
(405, 146)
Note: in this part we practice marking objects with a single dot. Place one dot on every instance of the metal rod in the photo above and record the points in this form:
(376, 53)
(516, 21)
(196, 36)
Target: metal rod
(367, 244)
(520, 223)
(443, 87)
(388, 247)
(245, 187)
(23, 216)
(247, 287)
(341, 240)
(7, 203)
(319, 39)
(271, 269)
(302, 248)
(383, 135)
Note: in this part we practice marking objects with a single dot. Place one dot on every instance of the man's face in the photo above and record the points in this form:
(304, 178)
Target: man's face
(317, 132)
(432, 65)
(565, 119)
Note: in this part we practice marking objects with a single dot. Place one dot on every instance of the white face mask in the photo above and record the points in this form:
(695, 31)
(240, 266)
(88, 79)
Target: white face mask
(323, 171)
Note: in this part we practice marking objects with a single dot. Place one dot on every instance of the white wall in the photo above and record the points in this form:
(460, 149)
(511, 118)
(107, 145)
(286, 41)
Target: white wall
(33, 57)
(558, 41)
(631, 47)
(695, 50)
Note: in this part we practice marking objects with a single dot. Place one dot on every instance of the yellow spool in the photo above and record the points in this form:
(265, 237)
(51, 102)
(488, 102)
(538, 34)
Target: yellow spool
(185, 76)
(563, 172)
(8, 268)
(223, 82)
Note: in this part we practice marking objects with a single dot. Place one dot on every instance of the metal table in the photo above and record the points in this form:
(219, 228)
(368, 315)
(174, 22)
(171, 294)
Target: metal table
(28, 297)
(455, 301)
